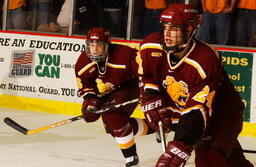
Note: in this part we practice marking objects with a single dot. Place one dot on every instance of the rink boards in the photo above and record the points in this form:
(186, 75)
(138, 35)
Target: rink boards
(37, 74)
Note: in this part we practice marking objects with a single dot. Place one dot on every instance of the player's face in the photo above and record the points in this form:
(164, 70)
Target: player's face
(97, 48)
(172, 35)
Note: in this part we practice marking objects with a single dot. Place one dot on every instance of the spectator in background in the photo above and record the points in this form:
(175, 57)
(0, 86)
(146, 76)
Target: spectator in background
(87, 15)
(195, 3)
(41, 10)
(246, 22)
(153, 9)
(216, 19)
(174, 1)
(112, 16)
(253, 41)
(64, 15)
(139, 9)
(1, 11)
(54, 10)
(16, 14)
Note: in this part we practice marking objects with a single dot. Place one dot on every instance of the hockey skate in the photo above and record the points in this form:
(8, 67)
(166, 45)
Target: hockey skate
(132, 161)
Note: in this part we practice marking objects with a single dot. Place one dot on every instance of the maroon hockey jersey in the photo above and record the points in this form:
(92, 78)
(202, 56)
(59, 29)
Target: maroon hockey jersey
(120, 66)
(194, 83)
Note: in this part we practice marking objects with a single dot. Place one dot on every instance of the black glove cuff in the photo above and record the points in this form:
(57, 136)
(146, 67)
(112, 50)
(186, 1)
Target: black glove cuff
(90, 96)
(149, 92)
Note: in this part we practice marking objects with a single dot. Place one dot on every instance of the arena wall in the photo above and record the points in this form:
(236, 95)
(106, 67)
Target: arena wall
(37, 74)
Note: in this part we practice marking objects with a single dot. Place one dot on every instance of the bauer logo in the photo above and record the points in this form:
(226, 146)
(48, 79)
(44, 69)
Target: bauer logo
(22, 62)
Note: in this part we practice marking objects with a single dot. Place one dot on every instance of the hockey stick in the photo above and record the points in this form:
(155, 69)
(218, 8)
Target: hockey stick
(162, 135)
(26, 131)
(249, 151)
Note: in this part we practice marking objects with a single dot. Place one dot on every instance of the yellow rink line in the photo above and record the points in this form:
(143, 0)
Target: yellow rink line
(68, 108)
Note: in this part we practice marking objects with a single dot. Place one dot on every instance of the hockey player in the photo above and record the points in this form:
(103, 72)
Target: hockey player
(106, 75)
(186, 87)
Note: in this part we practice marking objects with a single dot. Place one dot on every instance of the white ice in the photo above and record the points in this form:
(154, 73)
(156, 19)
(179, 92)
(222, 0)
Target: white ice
(77, 144)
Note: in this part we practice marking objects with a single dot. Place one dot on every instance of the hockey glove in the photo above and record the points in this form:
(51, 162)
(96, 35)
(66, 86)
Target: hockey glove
(166, 118)
(176, 155)
(89, 106)
(154, 112)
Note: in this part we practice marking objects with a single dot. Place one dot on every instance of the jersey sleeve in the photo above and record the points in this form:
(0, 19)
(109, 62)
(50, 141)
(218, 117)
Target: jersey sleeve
(84, 76)
(204, 80)
(204, 84)
(150, 60)
(133, 65)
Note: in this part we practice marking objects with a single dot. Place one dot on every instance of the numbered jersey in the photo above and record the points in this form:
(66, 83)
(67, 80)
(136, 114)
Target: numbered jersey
(94, 78)
(192, 83)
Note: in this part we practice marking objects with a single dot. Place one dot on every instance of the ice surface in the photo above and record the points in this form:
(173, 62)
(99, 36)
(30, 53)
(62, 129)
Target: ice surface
(77, 144)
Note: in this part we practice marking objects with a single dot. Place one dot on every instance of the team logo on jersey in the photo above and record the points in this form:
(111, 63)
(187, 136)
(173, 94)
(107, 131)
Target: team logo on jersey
(156, 54)
(178, 91)
(104, 88)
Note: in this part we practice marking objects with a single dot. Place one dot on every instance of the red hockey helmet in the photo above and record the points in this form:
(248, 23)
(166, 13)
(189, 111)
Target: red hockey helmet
(180, 14)
(100, 36)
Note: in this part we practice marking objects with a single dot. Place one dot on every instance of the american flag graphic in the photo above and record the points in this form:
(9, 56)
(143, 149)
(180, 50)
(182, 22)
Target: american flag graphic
(26, 58)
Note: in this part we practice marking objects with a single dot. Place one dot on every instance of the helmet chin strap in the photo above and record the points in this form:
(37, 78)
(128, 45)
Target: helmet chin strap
(179, 48)
(174, 49)
(98, 58)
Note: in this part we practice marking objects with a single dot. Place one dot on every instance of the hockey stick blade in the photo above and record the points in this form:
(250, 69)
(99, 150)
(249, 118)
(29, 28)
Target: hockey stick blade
(250, 151)
(15, 125)
(25, 131)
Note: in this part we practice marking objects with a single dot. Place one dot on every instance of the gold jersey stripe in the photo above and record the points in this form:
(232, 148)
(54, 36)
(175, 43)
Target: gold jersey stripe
(86, 68)
(151, 86)
(116, 66)
(139, 62)
(151, 46)
(196, 66)
(175, 120)
(87, 89)
(90, 92)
